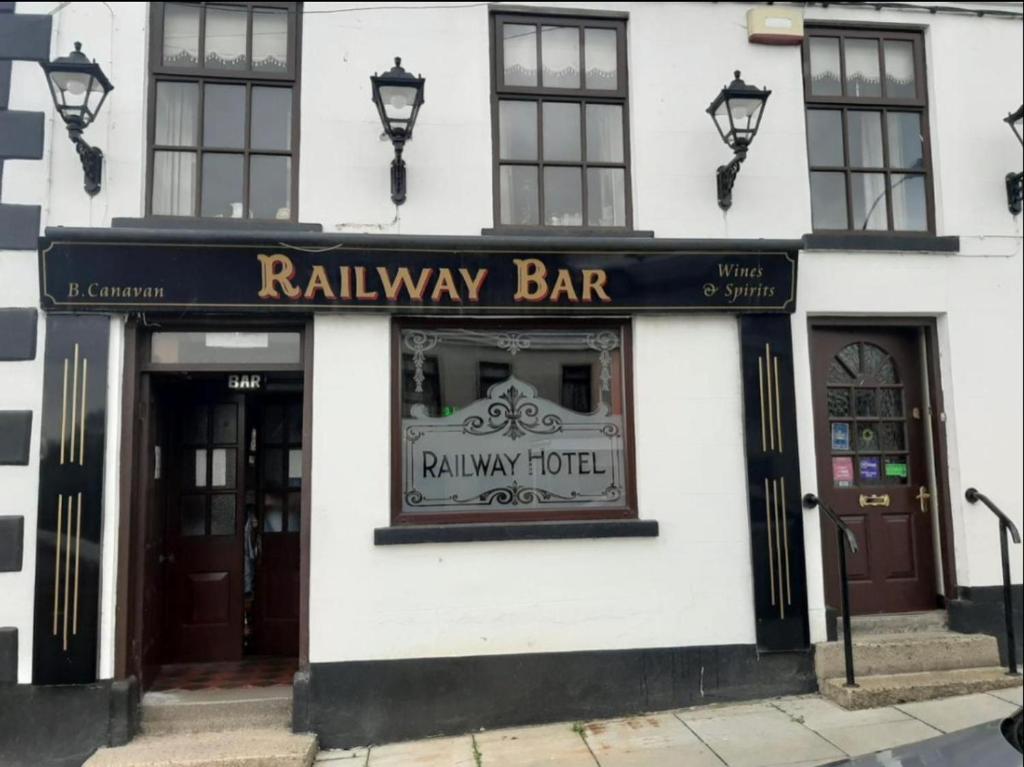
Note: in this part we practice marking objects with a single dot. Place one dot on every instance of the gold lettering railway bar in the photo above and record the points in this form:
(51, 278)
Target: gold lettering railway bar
(449, 276)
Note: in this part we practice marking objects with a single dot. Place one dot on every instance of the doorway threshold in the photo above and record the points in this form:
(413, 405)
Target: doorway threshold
(253, 672)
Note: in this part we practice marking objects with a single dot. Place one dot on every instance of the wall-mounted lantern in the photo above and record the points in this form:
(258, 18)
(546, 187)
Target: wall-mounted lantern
(398, 96)
(1015, 181)
(737, 114)
(79, 88)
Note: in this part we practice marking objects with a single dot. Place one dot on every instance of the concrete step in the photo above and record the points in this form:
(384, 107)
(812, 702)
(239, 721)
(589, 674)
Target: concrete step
(907, 653)
(892, 689)
(896, 623)
(191, 711)
(239, 748)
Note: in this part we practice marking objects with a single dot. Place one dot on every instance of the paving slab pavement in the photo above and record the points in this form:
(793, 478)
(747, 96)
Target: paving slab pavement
(648, 741)
(1014, 695)
(550, 745)
(949, 714)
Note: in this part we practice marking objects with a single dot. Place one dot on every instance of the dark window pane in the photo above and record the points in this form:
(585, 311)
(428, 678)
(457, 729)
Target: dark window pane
(273, 425)
(174, 183)
(563, 197)
(825, 137)
(577, 388)
(601, 54)
(878, 365)
(849, 358)
(824, 63)
(862, 75)
(224, 116)
(294, 512)
(892, 436)
(181, 35)
(868, 197)
(222, 514)
(270, 187)
(271, 119)
(606, 197)
(269, 40)
(519, 195)
(867, 436)
(195, 426)
(866, 405)
(561, 131)
(909, 209)
(560, 57)
(838, 403)
(273, 513)
(865, 139)
(222, 185)
(900, 81)
(517, 130)
(906, 143)
(192, 509)
(273, 467)
(225, 37)
(225, 423)
(520, 54)
(604, 133)
(896, 470)
(295, 423)
(828, 200)
(176, 114)
(890, 403)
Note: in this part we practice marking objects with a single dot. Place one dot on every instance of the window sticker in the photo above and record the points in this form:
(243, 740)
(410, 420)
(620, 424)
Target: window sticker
(894, 469)
(842, 471)
(869, 469)
(840, 436)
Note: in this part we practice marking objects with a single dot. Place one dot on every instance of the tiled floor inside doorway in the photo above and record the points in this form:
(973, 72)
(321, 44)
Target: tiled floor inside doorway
(259, 671)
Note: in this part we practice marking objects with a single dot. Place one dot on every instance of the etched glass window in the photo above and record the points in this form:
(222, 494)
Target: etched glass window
(512, 421)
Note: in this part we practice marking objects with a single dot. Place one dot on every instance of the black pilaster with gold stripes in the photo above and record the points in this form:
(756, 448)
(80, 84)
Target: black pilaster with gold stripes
(70, 500)
(773, 482)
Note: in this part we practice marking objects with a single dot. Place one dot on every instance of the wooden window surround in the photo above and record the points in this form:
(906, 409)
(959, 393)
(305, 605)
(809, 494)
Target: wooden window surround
(223, 110)
(866, 98)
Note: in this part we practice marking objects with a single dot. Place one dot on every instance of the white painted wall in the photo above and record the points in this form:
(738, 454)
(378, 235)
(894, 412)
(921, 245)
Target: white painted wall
(689, 586)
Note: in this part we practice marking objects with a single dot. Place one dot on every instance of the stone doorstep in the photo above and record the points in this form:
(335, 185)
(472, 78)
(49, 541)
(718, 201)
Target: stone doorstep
(893, 689)
(907, 653)
(896, 623)
(240, 748)
(199, 711)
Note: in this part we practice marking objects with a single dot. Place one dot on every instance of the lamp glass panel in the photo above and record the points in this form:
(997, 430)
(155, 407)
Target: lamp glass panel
(224, 116)
(225, 37)
(519, 195)
(828, 200)
(269, 40)
(825, 137)
(174, 183)
(909, 209)
(270, 187)
(519, 43)
(900, 81)
(517, 130)
(600, 51)
(865, 139)
(271, 123)
(906, 144)
(398, 101)
(560, 57)
(868, 198)
(561, 131)
(181, 35)
(222, 186)
(824, 60)
(563, 196)
(604, 133)
(74, 84)
(606, 197)
(862, 69)
(177, 114)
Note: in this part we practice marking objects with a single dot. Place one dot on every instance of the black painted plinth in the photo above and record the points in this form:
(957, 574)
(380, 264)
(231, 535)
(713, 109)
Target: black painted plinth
(516, 531)
(979, 610)
(370, 702)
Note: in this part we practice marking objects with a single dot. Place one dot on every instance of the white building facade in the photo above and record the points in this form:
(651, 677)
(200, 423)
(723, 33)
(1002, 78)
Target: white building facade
(260, 375)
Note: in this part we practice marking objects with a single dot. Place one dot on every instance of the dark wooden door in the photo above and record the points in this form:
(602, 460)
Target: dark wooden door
(276, 597)
(872, 465)
(152, 464)
(204, 529)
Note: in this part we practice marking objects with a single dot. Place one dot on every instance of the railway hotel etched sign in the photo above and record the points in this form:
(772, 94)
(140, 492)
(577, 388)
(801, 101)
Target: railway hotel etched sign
(90, 275)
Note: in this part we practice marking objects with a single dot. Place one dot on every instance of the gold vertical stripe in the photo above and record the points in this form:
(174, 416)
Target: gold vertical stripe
(67, 576)
(56, 559)
(771, 415)
(778, 403)
(785, 542)
(760, 383)
(81, 429)
(768, 518)
(74, 404)
(64, 412)
(778, 545)
(78, 546)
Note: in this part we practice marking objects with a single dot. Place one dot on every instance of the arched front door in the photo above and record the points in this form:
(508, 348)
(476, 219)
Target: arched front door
(872, 465)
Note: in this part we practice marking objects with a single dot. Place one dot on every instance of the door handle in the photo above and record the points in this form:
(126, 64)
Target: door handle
(874, 500)
(922, 496)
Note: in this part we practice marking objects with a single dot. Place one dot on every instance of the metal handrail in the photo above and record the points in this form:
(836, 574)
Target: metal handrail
(1005, 524)
(812, 501)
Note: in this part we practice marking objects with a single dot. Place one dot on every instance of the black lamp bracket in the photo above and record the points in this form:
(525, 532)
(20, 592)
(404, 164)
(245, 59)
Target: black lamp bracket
(727, 177)
(91, 157)
(398, 173)
(1015, 192)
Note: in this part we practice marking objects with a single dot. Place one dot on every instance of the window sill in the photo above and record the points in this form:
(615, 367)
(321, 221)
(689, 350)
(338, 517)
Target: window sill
(515, 531)
(564, 231)
(212, 224)
(921, 243)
